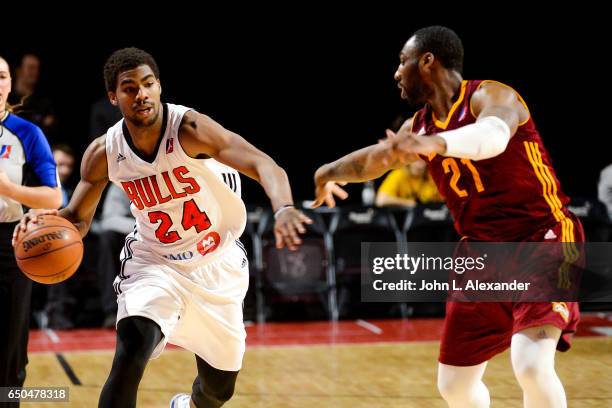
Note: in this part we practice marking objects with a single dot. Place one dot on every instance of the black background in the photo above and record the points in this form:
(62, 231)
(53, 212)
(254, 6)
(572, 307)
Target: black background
(307, 85)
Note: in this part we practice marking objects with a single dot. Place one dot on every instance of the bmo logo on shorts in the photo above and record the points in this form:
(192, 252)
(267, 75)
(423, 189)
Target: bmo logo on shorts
(183, 256)
(209, 243)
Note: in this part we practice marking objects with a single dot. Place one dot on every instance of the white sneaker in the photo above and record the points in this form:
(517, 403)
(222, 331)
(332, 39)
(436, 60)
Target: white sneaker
(180, 401)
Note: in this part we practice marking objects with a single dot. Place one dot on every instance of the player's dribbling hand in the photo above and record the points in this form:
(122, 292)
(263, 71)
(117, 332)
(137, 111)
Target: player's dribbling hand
(288, 224)
(31, 217)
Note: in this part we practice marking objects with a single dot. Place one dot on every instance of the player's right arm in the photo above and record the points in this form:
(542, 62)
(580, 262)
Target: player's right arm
(362, 165)
(82, 206)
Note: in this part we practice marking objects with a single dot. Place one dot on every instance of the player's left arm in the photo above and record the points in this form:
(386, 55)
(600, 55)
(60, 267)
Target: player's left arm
(200, 134)
(498, 111)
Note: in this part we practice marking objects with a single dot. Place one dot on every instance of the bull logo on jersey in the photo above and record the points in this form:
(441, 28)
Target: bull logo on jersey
(170, 145)
(146, 192)
(5, 151)
(209, 243)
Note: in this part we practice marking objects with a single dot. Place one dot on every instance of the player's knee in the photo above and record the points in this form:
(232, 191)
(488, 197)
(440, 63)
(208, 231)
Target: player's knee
(215, 389)
(130, 363)
(136, 341)
(450, 387)
(219, 395)
(458, 394)
(532, 372)
(459, 391)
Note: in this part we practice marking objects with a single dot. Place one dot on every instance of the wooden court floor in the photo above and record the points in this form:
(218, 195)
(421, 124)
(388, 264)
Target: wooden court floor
(386, 375)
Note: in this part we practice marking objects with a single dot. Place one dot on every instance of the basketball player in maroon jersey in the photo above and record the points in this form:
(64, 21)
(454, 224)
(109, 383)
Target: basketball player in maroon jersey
(487, 158)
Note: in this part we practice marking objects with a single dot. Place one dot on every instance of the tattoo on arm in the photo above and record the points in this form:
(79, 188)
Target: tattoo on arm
(357, 167)
(346, 168)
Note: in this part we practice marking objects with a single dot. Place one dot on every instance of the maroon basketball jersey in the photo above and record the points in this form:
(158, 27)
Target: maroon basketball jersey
(504, 198)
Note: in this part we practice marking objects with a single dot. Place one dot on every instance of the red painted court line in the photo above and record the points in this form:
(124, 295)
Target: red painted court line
(275, 334)
(298, 333)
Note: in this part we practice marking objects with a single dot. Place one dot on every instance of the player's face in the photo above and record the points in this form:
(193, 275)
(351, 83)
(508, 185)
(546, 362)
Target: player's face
(408, 77)
(5, 84)
(138, 96)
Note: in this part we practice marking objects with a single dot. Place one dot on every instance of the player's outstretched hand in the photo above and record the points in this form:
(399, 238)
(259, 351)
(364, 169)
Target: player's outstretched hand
(31, 217)
(326, 190)
(325, 193)
(290, 222)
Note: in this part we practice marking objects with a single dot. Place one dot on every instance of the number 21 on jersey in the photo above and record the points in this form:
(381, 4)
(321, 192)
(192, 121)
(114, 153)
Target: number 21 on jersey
(450, 165)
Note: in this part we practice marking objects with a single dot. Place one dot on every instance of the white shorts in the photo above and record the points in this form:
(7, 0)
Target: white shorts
(197, 309)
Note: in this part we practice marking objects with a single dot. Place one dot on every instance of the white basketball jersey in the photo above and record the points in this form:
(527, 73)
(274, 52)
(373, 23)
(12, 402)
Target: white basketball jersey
(188, 211)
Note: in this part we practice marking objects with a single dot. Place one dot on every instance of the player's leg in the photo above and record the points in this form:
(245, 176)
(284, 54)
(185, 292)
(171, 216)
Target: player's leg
(541, 328)
(533, 359)
(212, 387)
(213, 328)
(148, 308)
(462, 387)
(473, 333)
(137, 337)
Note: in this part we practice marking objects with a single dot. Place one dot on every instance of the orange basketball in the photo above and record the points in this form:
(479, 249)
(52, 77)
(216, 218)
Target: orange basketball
(49, 251)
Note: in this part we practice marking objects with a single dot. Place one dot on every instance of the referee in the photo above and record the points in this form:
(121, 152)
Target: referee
(24, 156)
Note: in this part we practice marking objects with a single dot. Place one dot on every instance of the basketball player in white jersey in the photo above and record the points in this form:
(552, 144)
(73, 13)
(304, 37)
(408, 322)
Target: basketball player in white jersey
(183, 273)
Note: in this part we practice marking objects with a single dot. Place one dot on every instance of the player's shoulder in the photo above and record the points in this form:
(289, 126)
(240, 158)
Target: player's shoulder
(490, 86)
(193, 123)
(99, 141)
(97, 148)
(94, 165)
(190, 118)
(490, 91)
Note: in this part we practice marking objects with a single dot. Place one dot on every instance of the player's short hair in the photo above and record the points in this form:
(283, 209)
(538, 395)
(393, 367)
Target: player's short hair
(124, 60)
(443, 43)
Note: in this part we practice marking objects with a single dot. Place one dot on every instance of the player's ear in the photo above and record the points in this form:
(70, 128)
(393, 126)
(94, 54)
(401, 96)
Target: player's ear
(427, 60)
(112, 97)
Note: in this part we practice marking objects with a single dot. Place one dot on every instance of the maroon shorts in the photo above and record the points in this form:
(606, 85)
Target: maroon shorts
(475, 332)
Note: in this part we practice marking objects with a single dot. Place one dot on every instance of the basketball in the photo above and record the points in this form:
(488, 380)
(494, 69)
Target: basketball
(49, 251)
